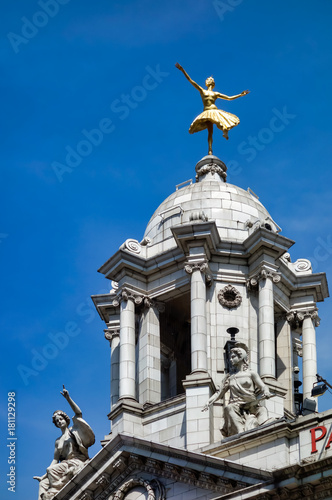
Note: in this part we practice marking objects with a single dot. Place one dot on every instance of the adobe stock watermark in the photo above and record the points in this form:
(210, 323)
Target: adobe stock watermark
(256, 143)
(30, 27)
(57, 342)
(222, 7)
(322, 252)
(122, 107)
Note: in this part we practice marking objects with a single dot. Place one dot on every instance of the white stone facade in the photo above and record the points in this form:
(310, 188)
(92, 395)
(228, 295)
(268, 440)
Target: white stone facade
(212, 258)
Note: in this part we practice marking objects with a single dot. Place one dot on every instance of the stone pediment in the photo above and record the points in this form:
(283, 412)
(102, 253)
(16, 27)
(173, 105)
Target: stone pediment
(157, 471)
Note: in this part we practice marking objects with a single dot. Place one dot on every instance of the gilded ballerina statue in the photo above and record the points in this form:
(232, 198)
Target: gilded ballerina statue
(211, 114)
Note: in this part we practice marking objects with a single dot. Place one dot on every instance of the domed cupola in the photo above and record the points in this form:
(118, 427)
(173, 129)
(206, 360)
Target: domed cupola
(234, 210)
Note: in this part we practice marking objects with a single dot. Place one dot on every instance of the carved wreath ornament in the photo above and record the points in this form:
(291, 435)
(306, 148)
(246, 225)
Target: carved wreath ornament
(229, 297)
(156, 493)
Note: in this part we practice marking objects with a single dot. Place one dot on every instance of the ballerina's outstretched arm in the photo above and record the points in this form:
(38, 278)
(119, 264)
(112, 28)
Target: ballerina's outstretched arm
(231, 97)
(200, 89)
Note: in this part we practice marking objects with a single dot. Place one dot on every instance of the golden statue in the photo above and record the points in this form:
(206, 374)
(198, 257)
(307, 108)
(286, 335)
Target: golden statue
(211, 114)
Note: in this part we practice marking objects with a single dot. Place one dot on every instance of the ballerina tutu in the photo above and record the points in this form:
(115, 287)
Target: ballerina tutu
(223, 120)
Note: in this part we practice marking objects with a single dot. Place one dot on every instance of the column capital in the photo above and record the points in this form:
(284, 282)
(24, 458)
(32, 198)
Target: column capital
(296, 317)
(111, 333)
(155, 304)
(203, 267)
(263, 274)
(127, 294)
(197, 266)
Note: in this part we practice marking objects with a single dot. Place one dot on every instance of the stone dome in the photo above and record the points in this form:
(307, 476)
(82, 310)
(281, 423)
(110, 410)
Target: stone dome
(233, 209)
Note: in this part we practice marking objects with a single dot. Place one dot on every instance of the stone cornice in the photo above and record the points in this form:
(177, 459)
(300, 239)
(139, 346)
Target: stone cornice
(201, 233)
(264, 239)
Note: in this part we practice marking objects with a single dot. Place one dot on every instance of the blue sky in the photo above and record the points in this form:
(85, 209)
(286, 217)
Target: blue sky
(103, 72)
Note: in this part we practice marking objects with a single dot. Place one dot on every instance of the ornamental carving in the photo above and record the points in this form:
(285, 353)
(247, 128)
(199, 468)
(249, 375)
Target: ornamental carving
(155, 489)
(212, 168)
(302, 265)
(229, 297)
(299, 266)
(87, 495)
(199, 216)
(133, 246)
(159, 306)
(190, 268)
(111, 333)
(263, 274)
(126, 295)
(104, 480)
(295, 318)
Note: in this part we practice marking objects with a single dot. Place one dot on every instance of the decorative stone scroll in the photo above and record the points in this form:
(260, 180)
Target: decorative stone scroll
(229, 297)
(299, 266)
(133, 246)
(115, 287)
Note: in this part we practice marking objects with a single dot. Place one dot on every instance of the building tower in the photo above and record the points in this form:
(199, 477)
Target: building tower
(211, 273)
(212, 270)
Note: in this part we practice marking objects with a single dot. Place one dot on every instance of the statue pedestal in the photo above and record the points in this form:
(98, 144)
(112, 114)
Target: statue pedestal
(275, 406)
(199, 425)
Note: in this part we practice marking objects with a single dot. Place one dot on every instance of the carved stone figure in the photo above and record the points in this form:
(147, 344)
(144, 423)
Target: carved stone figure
(71, 450)
(243, 411)
(211, 114)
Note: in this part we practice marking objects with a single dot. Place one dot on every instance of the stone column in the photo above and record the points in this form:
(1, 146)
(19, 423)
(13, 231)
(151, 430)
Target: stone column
(266, 333)
(113, 335)
(309, 352)
(149, 370)
(198, 316)
(127, 368)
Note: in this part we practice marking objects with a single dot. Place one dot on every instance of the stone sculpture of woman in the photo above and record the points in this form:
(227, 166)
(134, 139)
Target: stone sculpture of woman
(243, 411)
(211, 114)
(71, 450)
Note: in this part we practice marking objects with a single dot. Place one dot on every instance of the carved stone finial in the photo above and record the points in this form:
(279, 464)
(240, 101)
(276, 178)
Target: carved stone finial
(211, 164)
